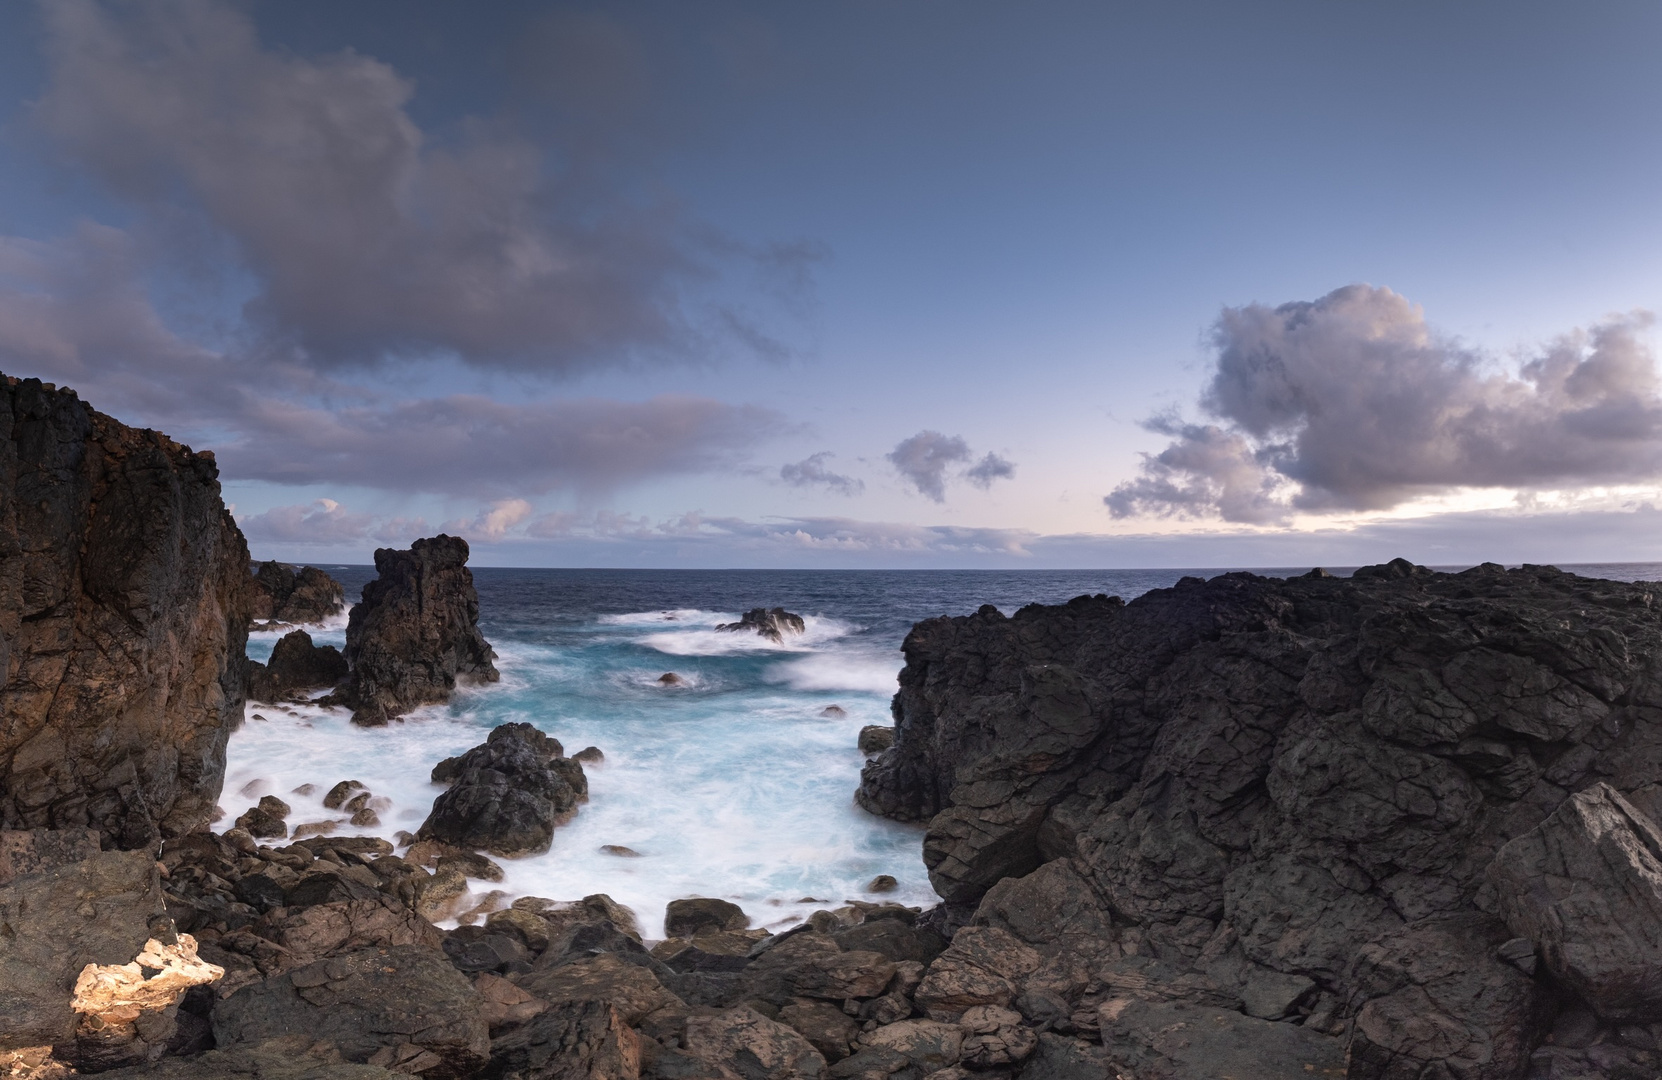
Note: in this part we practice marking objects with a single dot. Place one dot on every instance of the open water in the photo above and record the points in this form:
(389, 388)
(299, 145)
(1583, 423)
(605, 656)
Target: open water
(733, 785)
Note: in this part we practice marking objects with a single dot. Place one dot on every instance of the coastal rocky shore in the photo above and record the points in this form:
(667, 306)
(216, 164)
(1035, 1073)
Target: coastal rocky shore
(1400, 825)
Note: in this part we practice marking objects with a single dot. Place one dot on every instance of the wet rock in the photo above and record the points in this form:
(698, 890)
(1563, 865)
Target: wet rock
(265, 819)
(620, 851)
(124, 600)
(438, 897)
(875, 738)
(341, 792)
(833, 712)
(296, 665)
(743, 1039)
(882, 883)
(393, 1003)
(684, 918)
(1585, 887)
(1190, 1042)
(579, 1040)
(415, 634)
(508, 794)
(670, 678)
(281, 594)
(589, 755)
(892, 939)
(471, 864)
(770, 623)
(474, 949)
(505, 1005)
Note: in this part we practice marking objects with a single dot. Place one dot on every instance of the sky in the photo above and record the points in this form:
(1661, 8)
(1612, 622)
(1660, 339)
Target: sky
(901, 284)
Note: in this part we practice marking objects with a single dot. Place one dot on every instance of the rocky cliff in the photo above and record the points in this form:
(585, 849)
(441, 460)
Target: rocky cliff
(1408, 810)
(123, 618)
(415, 634)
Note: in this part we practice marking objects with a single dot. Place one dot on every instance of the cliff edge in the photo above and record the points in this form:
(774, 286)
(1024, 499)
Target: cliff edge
(123, 620)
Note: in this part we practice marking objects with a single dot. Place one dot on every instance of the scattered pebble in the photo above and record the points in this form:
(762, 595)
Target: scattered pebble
(619, 849)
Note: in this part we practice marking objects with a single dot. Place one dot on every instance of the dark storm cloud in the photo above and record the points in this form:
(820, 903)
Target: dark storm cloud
(1352, 402)
(811, 471)
(925, 459)
(366, 235)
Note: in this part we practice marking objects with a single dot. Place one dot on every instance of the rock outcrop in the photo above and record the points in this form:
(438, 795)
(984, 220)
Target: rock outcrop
(296, 665)
(507, 794)
(415, 634)
(282, 594)
(1406, 817)
(124, 609)
(771, 623)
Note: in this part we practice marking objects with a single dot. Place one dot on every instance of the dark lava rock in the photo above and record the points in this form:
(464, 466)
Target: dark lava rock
(366, 1002)
(575, 1040)
(415, 634)
(686, 918)
(283, 595)
(1341, 801)
(265, 819)
(296, 665)
(124, 600)
(771, 623)
(507, 794)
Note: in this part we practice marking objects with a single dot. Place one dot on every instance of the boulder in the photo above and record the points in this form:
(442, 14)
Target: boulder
(57, 921)
(296, 665)
(386, 1006)
(771, 623)
(507, 794)
(684, 918)
(995, 1036)
(124, 603)
(631, 988)
(928, 1044)
(1192, 1042)
(296, 1057)
(415, 634)
(749, 1044)
(875, 738)
(577, 1040)
(826, 1027)
(264, 820)
(1585, 887)
(282, 594)
(329, 929)
(127, 1012)
(983, 966)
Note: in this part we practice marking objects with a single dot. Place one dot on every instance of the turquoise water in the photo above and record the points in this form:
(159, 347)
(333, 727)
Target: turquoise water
(732, 785)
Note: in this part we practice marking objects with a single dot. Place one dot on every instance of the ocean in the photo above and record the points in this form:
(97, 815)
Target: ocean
(735, 784)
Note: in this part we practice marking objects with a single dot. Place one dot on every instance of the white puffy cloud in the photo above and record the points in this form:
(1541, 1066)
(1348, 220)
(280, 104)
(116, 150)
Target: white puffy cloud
(1353, 402)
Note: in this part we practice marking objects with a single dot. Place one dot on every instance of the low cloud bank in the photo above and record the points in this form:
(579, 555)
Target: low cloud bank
(1353, 402)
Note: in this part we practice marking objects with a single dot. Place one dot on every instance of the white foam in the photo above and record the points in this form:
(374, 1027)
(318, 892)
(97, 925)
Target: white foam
(706, 640)
(838, 671)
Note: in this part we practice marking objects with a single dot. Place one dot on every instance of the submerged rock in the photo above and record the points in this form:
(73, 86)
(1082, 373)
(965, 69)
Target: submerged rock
(124, 604)
(670, 678)
(771, 623)
(415, 634)
(283, 595)
(507, 794)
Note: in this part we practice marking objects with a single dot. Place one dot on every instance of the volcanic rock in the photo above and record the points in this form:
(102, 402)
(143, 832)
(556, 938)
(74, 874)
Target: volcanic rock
(875, 738)
(743, 1039)
(283, 595)
(296, 665)
(771, 623)
(1240, 803)
(124, 604)
(415, 634)
(684, 918)
(372, 1004)
(508, 794)
(578, 1040)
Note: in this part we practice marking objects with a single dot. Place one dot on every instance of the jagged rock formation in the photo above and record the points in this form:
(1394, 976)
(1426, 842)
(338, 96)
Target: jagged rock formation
(282, 594)
(771, 623)
(124, 608)
(1278, 805)
(296, 666)
(415, 634)
(507, 794)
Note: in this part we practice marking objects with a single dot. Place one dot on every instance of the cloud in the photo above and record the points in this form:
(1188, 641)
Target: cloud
(1353, 402)
(811, 470)
(990, 468)
(492, 524)
(365, 235)
(323, 522)
(925, 458)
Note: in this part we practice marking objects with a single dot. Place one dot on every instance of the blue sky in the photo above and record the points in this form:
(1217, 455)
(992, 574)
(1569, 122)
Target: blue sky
(859, 284)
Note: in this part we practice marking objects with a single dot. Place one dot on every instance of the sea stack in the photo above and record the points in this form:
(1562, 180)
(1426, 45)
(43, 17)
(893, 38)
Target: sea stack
(285, 595)
(124, 609)
(415, 634)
